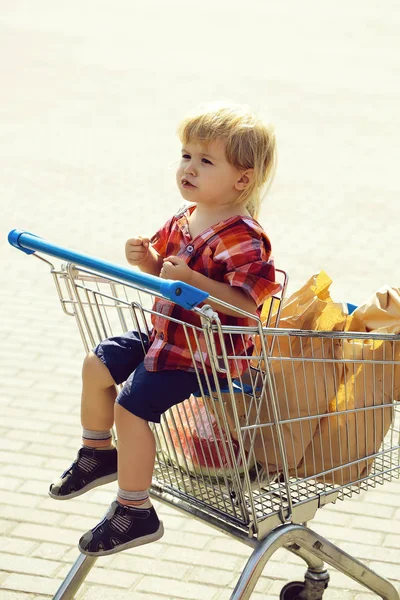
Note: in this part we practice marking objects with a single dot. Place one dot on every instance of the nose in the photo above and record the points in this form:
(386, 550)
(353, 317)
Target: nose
(189, 168)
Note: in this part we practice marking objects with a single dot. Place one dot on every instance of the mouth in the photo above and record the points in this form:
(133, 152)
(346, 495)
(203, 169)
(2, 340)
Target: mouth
(185, 183)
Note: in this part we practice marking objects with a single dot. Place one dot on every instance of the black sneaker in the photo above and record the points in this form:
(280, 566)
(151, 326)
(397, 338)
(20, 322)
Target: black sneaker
(123, 527)
(90, 469)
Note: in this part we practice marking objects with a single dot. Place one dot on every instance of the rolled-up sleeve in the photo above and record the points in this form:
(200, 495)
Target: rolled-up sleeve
(160, 239)
(249, 265)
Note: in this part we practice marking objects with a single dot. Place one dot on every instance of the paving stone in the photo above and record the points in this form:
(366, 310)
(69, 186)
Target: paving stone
(47, 402)
(212, 576)
(58, 465)
(383, 525)
(392, 540)
(24, 564)
(48, 386)
(18, 499)
(196, 526)
(24, 385)
(4, 400)
(175, 589)
(9, 595)
(12, 545)
(8, 375)
(96, 592)
(196, 557)
(368, 552)
(28, 460)
(26, 424)
(54, 417)
(27, 401)
(69, 430)
(9, 483)
(119, 579)
(57, 451)
(46, 533)
(383, 500)
(43, 438)
(36, 488)
(355, 508)
(7, 444)
(30, 583)
(76, 506)
(31, 515)
(35, 473)
(335, 517)
(104, 495)
(185, 539)
(229, 546)
(145, 565)
(80, 524)
(49, 550)
(6, 526)
(389, 570)
(226, 594)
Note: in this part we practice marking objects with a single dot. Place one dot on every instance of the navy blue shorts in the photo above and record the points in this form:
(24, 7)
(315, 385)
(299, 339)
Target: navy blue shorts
(146, 394)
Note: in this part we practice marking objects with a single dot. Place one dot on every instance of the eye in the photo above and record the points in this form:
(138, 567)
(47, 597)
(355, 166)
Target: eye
(186, 156)
(206, 161)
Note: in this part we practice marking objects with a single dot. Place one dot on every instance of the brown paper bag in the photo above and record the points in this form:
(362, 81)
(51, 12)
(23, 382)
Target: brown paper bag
(344, 405)
(359, 416)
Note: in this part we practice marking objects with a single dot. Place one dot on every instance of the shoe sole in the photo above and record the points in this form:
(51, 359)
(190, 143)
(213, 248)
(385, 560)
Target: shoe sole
(146, 539)
(89, 486)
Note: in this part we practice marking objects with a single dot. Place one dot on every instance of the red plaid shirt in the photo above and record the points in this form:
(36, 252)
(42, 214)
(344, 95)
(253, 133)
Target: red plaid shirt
(235, 251)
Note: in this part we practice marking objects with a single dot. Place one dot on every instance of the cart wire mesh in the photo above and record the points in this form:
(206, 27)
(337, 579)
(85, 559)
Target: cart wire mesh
(313, 418)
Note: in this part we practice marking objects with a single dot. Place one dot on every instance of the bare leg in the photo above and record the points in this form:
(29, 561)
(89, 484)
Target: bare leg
(97, 415)
(131, 520)
(136, 451)
(98, 395)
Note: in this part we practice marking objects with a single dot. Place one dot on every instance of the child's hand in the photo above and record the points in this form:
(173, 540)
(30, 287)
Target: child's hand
(137, 250)
(175, 268)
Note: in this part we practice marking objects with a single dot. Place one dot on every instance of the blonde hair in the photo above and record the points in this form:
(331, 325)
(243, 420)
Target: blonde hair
(249, 144)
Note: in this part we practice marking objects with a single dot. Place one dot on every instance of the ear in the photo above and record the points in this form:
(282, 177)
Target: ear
(246, 177)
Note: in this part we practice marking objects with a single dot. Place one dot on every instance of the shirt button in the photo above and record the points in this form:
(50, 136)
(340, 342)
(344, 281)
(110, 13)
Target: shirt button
(160, 336)
(190, 248)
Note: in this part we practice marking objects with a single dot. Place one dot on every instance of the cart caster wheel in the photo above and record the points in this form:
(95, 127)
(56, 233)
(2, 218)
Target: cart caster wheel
(312, 588)
(291, 590)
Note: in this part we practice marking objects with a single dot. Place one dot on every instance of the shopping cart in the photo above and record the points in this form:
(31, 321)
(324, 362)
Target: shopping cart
(314, 419)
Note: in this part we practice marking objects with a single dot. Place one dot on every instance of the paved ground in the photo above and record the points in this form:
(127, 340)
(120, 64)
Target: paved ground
(91, 95)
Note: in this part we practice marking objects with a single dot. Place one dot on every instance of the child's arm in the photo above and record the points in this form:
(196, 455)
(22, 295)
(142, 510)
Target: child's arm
(225, 292)
(175, 268)
(140, 253)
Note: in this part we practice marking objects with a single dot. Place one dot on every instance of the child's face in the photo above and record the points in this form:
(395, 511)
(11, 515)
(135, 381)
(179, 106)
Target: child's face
(205, 176)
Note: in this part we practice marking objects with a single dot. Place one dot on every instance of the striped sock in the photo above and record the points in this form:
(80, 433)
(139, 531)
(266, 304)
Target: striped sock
(140, 499)
(97, 439)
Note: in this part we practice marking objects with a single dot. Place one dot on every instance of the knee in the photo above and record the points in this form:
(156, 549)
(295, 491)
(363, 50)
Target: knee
(124, 418)
(95, 370)
(90, 363)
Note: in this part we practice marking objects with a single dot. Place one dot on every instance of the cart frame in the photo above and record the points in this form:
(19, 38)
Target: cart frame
(264, 515)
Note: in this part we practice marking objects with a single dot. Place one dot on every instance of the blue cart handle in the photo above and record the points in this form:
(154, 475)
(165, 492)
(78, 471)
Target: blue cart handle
(177, 291)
